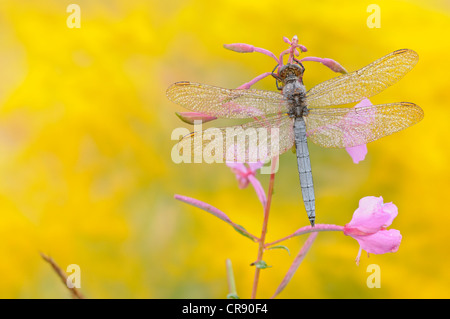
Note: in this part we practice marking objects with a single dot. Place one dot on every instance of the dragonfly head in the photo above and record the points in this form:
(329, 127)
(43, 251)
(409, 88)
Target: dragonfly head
(290, 72)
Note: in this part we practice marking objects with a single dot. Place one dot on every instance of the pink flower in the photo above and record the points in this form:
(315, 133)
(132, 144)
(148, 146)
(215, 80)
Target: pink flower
(368, 226)
(245, 174)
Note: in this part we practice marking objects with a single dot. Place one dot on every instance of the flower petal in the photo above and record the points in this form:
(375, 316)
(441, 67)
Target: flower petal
(384, 241)
(258, 189)
(287, 40)
(241, 172)
(371, 216)
(357, 153)
(364, 103)
(392, 211)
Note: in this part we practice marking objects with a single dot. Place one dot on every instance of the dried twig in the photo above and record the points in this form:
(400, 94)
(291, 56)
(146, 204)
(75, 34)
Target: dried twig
(75, 292)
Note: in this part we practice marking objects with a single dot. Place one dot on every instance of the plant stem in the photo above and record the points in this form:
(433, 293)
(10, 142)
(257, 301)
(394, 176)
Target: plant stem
(308, 229)
(76, 294)
(232, 293)
(264, 227)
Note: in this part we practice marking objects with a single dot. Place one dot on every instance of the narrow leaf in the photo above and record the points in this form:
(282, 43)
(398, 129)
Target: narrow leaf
(206, 207)
(216, 212)
(281, 247)
(241, 230)
(297, 261)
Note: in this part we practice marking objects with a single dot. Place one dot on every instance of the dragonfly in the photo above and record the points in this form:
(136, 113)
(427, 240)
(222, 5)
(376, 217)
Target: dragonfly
(318, 115)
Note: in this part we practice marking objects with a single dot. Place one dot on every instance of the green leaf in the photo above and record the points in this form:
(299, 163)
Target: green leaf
(281, 247)
(241, 230)
(261, 265)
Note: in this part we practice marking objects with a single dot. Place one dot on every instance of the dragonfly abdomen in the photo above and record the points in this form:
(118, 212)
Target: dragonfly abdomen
(304, 168)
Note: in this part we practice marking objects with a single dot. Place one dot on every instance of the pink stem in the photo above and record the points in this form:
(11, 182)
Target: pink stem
(264, 227)
(308, 229)
(247, 85)
(287, 51)
(312, 58)
(266, 52)
(329, 63)
(258, 189)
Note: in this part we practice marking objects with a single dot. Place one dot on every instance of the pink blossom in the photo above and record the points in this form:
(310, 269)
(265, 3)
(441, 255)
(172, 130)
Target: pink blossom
(240, 47)
(334, 66)
(245, 174)
(247, 48)
(368, 226)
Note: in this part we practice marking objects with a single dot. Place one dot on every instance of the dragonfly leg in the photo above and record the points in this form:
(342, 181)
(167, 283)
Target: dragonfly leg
(277, 78)
(300, 64)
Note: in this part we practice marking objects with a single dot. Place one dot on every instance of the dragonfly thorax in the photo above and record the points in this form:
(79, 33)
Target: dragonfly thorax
(295, 92)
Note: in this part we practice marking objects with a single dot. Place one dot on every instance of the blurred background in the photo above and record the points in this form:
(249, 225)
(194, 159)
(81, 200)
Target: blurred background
(86, 174)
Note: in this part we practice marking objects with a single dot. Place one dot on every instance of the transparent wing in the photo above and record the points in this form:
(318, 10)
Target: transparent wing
(363, 83)
(226, 103)
(347, 127)
(251, 142)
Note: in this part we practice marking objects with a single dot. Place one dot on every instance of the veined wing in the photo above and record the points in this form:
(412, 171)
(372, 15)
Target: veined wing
(363, 83)
(226, 103)
(251, 142)
(347, 127)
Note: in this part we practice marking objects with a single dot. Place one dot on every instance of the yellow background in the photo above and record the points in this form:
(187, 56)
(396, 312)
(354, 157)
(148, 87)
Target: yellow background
(86, 174)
